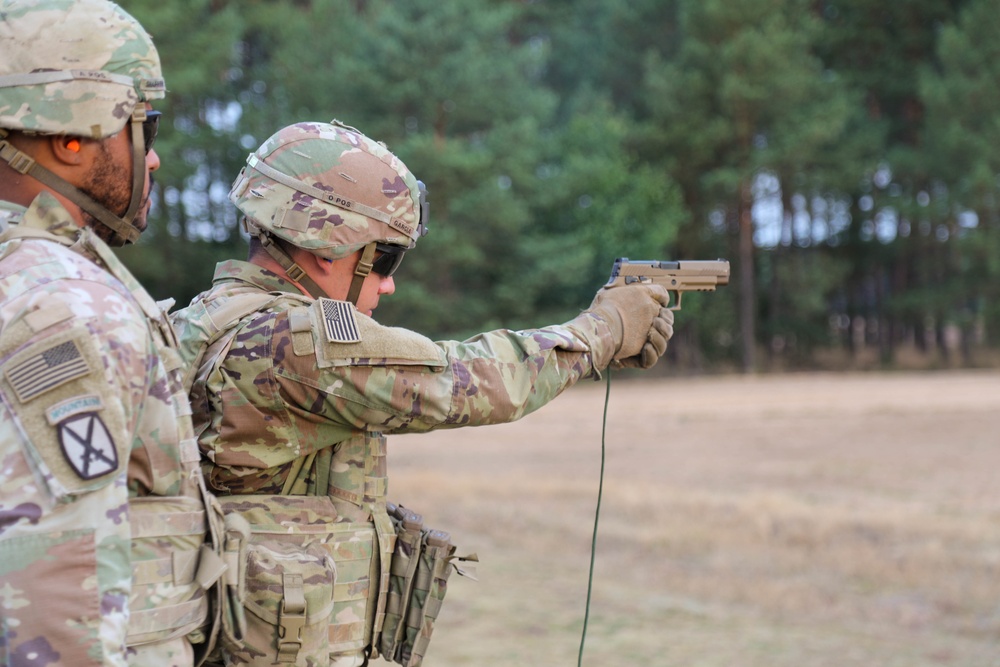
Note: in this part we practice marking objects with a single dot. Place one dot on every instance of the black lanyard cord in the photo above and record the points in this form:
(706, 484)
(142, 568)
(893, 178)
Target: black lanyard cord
(597, 515)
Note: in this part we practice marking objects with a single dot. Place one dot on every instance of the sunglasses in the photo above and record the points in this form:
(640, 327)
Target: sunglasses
(150, 128)
(392, 255)
(386, 264)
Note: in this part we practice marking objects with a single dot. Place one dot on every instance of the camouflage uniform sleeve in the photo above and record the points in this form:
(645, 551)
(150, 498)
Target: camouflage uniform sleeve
(397, 381)
(74, 360)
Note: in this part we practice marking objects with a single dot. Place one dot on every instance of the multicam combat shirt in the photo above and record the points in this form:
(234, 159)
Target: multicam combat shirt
(302, 375)
(292, 397)
(90, 416)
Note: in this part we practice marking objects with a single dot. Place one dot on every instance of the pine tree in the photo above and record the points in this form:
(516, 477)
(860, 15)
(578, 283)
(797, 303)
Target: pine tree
(962, 98)
(745, 97)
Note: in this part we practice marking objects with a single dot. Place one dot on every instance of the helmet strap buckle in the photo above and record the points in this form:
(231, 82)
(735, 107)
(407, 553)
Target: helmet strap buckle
(18, 160)
(361, 272)
(366, 262)
(275, 248)
(295, 272)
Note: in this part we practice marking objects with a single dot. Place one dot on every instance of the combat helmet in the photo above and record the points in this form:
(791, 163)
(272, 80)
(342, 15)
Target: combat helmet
(330, 190)
(82, 68)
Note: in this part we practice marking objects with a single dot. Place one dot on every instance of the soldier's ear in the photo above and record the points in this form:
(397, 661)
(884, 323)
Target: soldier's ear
(68, 150)
(324, 265)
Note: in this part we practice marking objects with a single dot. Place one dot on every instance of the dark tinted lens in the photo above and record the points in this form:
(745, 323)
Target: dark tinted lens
(386, 264)
(150, 127)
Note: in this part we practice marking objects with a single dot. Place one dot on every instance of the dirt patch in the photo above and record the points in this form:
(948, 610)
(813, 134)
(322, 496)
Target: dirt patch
(797, 520)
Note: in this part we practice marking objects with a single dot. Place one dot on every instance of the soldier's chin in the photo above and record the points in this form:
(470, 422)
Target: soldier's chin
(142, 217)
(108, 235)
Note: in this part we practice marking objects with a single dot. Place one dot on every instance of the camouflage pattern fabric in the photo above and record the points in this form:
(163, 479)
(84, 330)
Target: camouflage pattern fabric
(283, 393)
(96, 447)
(375, 196)
(422, 562)
(99, 64)
(297, 397)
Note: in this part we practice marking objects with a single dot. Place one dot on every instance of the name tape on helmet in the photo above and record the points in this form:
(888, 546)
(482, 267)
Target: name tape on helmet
(402, 226)
(53, 76)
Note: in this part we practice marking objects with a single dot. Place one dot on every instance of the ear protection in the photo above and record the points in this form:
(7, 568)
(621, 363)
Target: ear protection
(73, 145)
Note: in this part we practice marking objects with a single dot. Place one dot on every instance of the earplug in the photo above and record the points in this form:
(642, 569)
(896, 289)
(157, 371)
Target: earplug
(73, 145)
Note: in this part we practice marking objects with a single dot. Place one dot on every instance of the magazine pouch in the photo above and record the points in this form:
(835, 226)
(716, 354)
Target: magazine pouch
(422, 562)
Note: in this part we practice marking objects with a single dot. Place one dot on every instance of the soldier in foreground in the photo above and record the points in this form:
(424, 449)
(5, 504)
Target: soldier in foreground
(296, 387)
(102, 505)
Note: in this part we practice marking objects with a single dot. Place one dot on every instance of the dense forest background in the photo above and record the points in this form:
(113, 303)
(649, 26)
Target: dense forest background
(841, 154)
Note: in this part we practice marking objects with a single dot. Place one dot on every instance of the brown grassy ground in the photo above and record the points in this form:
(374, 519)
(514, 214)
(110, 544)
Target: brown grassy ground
(773, 521)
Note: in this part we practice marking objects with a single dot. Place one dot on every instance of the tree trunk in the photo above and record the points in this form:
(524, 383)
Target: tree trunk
(748, 300)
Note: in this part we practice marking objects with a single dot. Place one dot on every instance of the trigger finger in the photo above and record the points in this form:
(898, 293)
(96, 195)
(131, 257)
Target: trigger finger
(659, 294)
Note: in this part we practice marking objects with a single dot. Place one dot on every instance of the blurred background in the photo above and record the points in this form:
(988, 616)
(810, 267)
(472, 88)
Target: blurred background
(841, 154)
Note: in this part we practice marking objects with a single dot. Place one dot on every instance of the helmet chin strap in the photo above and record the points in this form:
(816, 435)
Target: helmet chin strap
(361, 272)
(122, 231)
(275, 249)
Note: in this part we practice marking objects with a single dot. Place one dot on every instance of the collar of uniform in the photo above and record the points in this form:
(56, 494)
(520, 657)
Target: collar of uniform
(10, 214)
(9, 208)
(46, 214)
(45, 218)
(245, 272)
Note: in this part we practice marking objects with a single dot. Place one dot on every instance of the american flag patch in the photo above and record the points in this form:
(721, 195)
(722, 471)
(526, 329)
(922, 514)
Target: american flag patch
(47, 370)
(339, 321)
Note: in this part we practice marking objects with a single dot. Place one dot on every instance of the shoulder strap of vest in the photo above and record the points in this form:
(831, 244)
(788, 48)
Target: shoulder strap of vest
(47, 220)
(90, 242)
(218, 322)
(24, 232)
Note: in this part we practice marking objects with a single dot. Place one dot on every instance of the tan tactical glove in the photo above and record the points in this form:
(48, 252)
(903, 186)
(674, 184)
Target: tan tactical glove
(639, 320)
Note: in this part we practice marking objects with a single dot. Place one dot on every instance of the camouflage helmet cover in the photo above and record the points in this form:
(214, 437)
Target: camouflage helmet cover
(329, 189)
(76, 67)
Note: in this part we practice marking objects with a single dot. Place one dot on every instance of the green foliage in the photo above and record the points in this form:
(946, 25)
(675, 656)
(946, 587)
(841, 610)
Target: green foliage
(743, 94)
(797, 291)
(961, 91)
(852, 139)
(962, 95)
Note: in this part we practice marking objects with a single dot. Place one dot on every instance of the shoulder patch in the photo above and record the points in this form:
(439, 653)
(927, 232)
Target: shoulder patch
(339, 321)
(69, 416)
(87, 446)
(378, 345)
(42, 370)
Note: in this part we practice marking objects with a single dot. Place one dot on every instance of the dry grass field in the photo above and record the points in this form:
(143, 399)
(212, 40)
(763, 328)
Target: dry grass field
(775, 521)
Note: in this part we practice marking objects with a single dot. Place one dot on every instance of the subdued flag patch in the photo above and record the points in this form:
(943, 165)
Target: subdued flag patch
(339, 321)
(47, 370)
(88, 446)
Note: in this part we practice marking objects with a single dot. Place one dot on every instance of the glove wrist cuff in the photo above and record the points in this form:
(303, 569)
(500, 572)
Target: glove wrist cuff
(613, 318)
